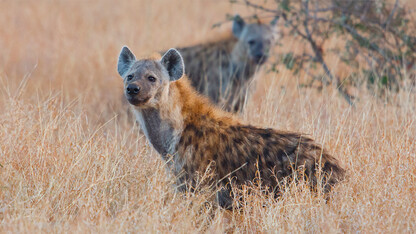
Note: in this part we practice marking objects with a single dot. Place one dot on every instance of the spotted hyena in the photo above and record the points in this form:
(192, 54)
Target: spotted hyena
(223, 69)
(191, 134)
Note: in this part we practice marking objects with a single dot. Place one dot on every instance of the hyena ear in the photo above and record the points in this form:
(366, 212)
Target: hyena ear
(125, 60)
(238, 26)
(173, 62)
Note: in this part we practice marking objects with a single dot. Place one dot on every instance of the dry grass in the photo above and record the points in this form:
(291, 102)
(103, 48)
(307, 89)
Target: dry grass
(72, 161)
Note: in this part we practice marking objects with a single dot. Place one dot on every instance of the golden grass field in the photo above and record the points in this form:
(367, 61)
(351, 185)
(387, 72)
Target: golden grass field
(72, 161)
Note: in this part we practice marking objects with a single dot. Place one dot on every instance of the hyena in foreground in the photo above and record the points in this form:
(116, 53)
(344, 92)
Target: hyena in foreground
(192, 135)
(223, 70)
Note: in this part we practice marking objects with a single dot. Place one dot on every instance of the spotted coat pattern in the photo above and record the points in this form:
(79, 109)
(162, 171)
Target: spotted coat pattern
(192, 135)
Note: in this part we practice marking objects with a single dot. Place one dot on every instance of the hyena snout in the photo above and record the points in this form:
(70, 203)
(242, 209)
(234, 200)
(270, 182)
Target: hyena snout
(259, 52)
(260, 58)
(132, 90)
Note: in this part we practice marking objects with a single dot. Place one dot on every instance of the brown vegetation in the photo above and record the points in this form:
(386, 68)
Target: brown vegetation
(71, 161)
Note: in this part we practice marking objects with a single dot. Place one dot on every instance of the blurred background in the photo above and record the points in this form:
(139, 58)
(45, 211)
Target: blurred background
(72, 160)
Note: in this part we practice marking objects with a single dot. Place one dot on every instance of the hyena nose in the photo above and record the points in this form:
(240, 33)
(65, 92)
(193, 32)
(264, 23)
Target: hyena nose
(132, 89)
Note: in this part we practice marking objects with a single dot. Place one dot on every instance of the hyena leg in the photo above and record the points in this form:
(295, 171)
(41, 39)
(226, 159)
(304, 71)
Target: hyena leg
(239, 104)
(224, 198)
(235, 100)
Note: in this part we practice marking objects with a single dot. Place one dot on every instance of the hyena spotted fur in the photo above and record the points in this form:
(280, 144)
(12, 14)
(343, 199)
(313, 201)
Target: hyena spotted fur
(191, 134)
(223, 69)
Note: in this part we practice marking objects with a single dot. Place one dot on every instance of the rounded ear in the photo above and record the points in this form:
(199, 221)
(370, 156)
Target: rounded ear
(125, 60)
(173, 62)
(238, 26)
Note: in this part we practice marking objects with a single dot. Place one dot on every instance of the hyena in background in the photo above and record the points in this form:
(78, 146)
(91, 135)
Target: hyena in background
(193, 135)
(223, 70)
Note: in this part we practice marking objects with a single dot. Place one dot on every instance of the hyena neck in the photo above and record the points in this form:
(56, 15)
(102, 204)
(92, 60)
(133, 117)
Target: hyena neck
(159, 131)
(196, 109)
(241, 68)
(179, 107)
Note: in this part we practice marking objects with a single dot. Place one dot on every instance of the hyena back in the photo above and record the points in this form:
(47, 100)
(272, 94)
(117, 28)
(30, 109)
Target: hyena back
(192, 135)
(223, 70)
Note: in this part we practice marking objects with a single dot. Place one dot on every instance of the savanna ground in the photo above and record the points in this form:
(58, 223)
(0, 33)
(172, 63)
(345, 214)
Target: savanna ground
(71, 160)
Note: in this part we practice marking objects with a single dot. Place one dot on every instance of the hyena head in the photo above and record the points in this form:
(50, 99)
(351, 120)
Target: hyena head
(254, 40)
(145, 81)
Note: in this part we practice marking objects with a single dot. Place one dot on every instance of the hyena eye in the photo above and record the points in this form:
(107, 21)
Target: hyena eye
(151, 78)
(129, 77)
(251, 42)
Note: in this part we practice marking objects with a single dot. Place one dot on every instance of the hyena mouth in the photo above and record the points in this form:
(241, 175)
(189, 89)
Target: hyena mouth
(260, 60)
(137, 101)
